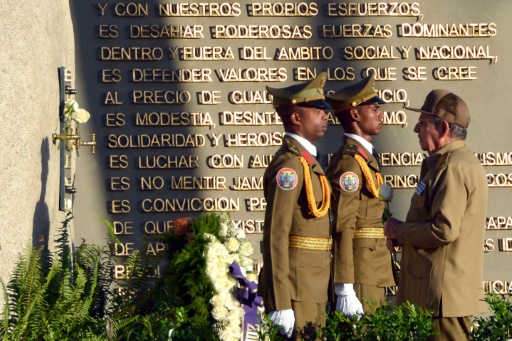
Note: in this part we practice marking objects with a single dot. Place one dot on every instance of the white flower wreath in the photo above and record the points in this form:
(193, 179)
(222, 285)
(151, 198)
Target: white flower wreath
(232, 246)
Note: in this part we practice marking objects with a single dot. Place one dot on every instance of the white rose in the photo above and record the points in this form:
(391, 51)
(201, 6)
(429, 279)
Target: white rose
(223, 230)
(82, 116)
(218, 300)
(235, 328)
(246, 248)
(234, 257)
(226, 335)
(216, 250)
(211, 270)
(232, 302)
(237, 312)
(385, 192)
(223, 284)
(240, 233)
(219, 313)
(72, 105)
(231, 244)
(246, 263)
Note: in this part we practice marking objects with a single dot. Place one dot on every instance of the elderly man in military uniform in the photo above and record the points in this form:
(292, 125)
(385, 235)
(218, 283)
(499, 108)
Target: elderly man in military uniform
(362, 263)
(296, 239)
(442, 237)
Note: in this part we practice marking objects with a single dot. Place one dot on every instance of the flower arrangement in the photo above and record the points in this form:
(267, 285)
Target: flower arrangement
(222, 252)
(73, 112)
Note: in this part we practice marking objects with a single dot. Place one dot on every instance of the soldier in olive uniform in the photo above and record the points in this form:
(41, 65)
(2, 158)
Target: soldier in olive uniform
(296, 240)
(362, 263)
(442, 237)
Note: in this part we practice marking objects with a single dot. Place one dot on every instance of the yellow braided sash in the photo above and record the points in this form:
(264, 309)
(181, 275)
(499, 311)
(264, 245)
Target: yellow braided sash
(326, 195)
(374, 189)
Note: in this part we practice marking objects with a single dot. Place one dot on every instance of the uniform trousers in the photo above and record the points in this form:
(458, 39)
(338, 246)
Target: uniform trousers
(309, 317)
(371, 296)
(452, 328)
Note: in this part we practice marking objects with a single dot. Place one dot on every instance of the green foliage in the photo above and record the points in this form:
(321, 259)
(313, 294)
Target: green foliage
(268, 330)
(339, 327)
(186, 279)
(72, 295)
(497, 327)
(47, 303)
(401, 322)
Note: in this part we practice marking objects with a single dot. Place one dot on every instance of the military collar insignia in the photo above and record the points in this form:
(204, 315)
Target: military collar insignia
(306, 156)
(362, 152)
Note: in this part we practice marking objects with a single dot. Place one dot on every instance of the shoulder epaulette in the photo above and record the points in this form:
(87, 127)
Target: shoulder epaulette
(292, 149)
(350, 149)
(443, 160)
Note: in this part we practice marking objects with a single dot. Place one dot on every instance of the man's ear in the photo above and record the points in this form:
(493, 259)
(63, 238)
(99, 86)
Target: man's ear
(445, 129)
(354, 114)
(295, 118)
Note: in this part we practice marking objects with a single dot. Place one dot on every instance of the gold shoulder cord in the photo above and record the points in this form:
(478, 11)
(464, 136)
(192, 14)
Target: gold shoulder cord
(326, 196)
(368, 176)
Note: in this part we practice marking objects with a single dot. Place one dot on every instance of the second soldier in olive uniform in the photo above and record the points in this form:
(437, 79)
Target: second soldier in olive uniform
(362, 263)
(294, 279)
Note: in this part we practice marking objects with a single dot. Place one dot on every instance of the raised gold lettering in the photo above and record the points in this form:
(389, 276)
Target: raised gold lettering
(402, 181)
(160, 205)
(247, 183)
(167, 161)
(198, 183)
(118, 161)
(163, 119)
(250, 118)
(262, 32)
(156, 141)
(122, 227)
(201, 9)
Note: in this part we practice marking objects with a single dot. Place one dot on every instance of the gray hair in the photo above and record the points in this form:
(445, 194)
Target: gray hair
(456, 131)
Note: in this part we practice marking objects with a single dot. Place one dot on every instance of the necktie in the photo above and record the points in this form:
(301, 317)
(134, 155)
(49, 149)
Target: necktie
(376, 156)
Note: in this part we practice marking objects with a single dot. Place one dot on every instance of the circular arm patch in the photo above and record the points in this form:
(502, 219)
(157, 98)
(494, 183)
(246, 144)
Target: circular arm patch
(349, 182)
(286, 178)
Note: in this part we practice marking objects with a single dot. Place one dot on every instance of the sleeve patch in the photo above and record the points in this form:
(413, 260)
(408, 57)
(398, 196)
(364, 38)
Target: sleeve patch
(349, 182)
(286, 178)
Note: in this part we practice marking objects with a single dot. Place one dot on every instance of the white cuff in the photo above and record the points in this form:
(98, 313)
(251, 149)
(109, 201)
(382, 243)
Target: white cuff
(344, 289)
(285, 319)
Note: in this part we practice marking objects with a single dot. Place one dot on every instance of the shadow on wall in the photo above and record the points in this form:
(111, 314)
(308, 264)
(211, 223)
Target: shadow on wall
(41, 220)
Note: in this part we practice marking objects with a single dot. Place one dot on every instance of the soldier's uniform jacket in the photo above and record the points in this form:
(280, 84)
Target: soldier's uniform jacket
(361, 260)
(443, 235)
(287, 214)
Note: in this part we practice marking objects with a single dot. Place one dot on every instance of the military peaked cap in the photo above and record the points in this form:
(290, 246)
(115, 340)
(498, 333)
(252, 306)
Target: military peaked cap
(361, 93)
(308, 94)
(446, 105)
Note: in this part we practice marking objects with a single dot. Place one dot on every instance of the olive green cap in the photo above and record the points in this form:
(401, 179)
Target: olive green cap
(446, 105)
(361, 93)
(308, 94)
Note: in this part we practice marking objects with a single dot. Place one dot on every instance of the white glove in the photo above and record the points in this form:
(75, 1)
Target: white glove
(285, 319)
(347, 301)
